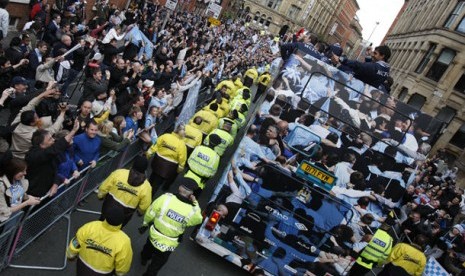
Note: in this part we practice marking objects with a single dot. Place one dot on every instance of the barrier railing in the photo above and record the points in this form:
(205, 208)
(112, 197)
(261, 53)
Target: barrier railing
(7, 233)
(37, 221)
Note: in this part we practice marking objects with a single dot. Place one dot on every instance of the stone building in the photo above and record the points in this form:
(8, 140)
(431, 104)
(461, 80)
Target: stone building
(428, 61)
(333, 21)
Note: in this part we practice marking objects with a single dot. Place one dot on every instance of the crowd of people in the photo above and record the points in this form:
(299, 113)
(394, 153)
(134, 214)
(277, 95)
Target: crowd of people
(375, 146)
(140, 67)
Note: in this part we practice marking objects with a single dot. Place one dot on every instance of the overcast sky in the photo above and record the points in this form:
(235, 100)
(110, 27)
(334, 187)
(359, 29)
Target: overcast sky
(382, 11)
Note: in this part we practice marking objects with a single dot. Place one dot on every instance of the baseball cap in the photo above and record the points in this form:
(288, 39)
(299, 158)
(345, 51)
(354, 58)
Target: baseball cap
(97, 108)
(148, 83)
(19, 80)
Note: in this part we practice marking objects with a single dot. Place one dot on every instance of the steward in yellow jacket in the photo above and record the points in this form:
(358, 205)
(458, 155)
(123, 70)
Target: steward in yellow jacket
(407, 259)
(128, 189)
(102, 246)
(209, 118)
(168, 217)
(263, 82)
(250, 77)
(170, 154)
(193, 136)
(230, 87)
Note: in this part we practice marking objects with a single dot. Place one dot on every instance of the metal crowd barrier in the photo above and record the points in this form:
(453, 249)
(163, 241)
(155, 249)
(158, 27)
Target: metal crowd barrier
(7, 233)
(37, 221)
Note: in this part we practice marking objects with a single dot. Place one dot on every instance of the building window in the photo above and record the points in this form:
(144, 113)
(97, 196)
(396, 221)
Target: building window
(403, 93)
(446, 114)
(461, 26)
(425, 59)
(293, 11)
(417, 101)
(455, 14)
(441, 64)
(268, 21)
(257, 15)
(274, 4)
(459, 138)
(262, 19)
(460, 85)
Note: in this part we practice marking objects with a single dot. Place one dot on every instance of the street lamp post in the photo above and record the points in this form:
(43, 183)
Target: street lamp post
(368, 40)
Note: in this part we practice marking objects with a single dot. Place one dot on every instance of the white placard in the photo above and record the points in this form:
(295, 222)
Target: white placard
(171, 4)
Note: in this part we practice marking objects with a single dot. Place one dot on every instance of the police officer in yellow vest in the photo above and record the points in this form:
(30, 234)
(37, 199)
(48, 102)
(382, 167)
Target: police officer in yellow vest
(376, 251)
(263, 82)
(230, 119)
(242, 95)
(225, 136)
(250, 76)
(170, 154)
(203, 163)
(168, 217)
(103, 248)
(127, 188)
(193, 136)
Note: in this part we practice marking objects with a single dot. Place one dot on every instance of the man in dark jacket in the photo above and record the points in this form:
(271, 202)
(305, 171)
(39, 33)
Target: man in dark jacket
(41, 165)
(94, 86)
(110, 51)
(374, 73)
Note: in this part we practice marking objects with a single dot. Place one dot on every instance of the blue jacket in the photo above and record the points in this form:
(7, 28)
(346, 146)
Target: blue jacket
(131, 124)
(66, 167)
(86, 149)
(372, 73)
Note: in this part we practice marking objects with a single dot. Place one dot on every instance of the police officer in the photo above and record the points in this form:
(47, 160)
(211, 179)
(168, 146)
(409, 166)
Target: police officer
(230, 87)
(225, 136)
(242, 96)
(168, 217)
(263, 82)
(102, 246)
(406, 259)
(250, 77)
(193, 136)
(376, 251)
(170, 154)
(230, 119)
(128, 189)
(203, 162)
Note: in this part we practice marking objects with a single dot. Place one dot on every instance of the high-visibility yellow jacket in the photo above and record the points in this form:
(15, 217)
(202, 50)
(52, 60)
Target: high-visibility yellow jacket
(102, 247)
(204, 161)
(264, 79)
(169, 216)
(171, 147)
(224, 106)
(409, 258)
(237, 103)
(219, 113)
(238, 84)
(239, 94)
(209, 121)
(377, 250)
(226, 140)
(241, 120)
(127, 195)
(231, 87)
(193, 136)
(234, 125)
(252, 73)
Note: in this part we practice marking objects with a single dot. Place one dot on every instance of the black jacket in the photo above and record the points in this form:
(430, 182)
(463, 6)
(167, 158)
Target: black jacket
(42, 167)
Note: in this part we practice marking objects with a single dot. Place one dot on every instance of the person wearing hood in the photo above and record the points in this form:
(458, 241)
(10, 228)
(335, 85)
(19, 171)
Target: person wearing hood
(128, 189)
(101, 247)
